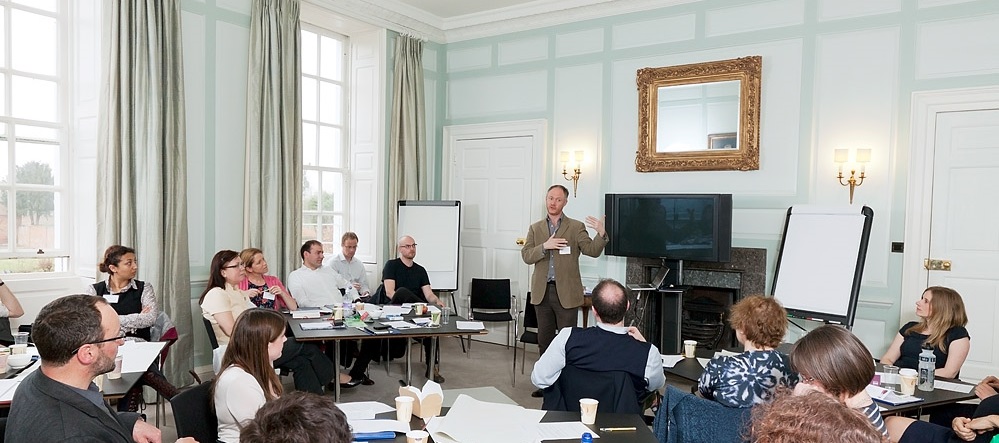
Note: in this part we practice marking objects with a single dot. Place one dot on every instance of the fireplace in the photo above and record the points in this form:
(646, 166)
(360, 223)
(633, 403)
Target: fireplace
(705, 316)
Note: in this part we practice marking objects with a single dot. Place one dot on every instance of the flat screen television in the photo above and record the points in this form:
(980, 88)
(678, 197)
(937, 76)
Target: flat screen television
(672, 226)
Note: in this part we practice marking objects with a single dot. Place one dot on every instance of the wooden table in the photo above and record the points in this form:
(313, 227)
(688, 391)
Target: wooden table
(350, 333)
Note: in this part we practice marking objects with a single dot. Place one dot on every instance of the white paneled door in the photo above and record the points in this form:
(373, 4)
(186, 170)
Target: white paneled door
(493, 170)
(964, 226)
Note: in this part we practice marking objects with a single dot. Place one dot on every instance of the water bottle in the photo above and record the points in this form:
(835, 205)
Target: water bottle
(587, 438)
(927, 365)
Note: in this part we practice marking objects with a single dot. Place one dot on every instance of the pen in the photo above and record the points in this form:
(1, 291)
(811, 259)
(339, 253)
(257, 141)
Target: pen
(629, 428)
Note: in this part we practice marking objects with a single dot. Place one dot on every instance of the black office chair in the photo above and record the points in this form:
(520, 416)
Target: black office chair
(530, 334)
(211, 334)
(490, 301)
(615, 390)
(194, 414)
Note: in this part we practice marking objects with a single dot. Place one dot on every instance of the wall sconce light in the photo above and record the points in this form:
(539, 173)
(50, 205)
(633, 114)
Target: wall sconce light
(862, 158)
(564, 157)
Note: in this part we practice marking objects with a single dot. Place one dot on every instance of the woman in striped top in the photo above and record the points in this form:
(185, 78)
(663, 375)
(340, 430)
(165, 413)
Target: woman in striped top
(831, 360)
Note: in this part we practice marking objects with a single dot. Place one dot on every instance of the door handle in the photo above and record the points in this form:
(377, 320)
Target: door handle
(932, 264)
(521, 241)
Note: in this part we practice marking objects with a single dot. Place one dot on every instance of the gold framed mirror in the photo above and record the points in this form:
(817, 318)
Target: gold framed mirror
(700, 117)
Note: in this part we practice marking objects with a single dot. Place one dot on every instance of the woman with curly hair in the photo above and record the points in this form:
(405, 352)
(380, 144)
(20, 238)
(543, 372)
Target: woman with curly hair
(743, 380)
(810, 418)
(940, 327)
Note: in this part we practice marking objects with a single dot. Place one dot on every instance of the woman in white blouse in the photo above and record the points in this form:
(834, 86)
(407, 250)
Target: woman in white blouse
(248, 380)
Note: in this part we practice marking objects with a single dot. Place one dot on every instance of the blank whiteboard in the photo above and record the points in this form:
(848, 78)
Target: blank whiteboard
(821, 261)
(434, 225)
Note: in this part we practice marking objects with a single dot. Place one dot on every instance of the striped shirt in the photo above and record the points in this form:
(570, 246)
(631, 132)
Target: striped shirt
(873, 414)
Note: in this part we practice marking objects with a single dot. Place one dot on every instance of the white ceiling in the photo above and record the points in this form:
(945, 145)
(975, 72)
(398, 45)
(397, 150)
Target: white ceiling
(445, 9)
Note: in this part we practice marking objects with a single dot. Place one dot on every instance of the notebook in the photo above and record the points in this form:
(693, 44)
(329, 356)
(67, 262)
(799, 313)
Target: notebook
(657, 282)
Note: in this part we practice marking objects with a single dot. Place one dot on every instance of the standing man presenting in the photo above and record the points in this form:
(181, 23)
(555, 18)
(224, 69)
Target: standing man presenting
(348, 268)
(553, 246)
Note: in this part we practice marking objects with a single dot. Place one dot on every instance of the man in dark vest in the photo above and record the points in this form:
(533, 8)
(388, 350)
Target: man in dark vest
(608, 346)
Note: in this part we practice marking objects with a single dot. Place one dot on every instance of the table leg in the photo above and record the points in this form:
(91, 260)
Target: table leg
(336, 370)
(409, 364)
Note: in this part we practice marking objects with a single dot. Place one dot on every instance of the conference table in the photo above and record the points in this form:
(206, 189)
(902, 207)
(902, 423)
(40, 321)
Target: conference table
(641, 434)
(354, 333)
(690, 369)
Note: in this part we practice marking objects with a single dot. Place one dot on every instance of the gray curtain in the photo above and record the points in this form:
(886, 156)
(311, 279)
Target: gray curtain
(407, 139)
(272, 206)
(142, 157)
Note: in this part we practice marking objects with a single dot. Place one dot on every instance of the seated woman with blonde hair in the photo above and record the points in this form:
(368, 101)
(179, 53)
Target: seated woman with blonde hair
(941, 327)
(743, 380)
(833, 361)
(810, 418)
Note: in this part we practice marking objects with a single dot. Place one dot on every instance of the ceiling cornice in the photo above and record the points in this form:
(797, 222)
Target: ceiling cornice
(405, 19)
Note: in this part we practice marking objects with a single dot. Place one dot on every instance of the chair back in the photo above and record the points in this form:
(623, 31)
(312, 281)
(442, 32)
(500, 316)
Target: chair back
(194, 414)
(530, 315)
(686, 418)
(615, 390)
(379, 297)
(211, 333)
(489, 293)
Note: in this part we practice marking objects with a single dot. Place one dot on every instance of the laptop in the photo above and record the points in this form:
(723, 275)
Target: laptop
(657, 282)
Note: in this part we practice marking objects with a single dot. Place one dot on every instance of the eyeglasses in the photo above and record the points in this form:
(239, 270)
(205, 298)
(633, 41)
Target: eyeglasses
(120, 337)
(408, 246)
(237, 265)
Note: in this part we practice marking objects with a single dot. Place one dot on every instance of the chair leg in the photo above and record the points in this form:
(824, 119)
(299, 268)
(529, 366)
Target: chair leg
(523, 359)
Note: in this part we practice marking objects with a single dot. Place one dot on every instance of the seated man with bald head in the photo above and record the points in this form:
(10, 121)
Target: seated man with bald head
(608, 346)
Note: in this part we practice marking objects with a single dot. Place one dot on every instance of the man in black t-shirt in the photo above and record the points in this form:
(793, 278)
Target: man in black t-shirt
(407, 282)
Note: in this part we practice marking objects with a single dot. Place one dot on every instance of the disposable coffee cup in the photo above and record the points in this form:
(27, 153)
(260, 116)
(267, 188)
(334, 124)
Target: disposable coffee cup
(116, 372)
(4, 352)
(403, 408)
(338, 313)
(689, 346)
(18, 349)
(20, 338)
(588, 410)
(417, 437)
(419, 308)
(435, 318)
(908, 378)
(99, 381)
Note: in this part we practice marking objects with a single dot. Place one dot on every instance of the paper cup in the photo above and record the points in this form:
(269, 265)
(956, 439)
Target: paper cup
(908, 378)
(403, 408)
(116, 372)
(4, 352)
(689, 346)
(338, 313)
(417, 437)
(435, 318)
(588, 410)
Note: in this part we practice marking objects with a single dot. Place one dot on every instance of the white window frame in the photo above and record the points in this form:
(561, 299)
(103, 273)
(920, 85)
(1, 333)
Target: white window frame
(344, 127)
(63, 88)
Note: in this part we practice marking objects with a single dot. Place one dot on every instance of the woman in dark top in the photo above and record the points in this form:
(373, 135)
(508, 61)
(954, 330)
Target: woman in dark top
(981, 427)
(135, 303)
(941, 327)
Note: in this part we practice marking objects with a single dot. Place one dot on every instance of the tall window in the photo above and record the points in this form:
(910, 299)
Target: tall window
(32, 133)
(324, 135)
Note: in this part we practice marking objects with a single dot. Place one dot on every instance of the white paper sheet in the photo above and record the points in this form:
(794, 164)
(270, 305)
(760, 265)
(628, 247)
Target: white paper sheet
(470, 325)
(951, 386)
(433, 308)
(889, 396)
(395, 310)
(137, 356)
(703, 361)
(400, 324)
(671, 360)
(363, 410)
(316, 325)
(562, 430)
(303, 313)
(7, 388)
(423, 321)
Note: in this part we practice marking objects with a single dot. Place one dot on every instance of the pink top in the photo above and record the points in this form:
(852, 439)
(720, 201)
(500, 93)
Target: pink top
(271, 281)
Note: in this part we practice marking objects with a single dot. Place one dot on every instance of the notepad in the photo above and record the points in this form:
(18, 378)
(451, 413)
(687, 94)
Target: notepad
(889, 396)
(306, 313)
(316, 326)
(470, 325)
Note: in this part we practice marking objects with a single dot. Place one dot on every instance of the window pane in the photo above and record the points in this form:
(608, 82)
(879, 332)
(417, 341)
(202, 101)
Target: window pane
(330, 59)
(332, 192)
(331, 225)
(330, 102)
(36, 212)
(3, 94)
(309, 53)
(330, 149)
(33, 99)
(3, 44)
(36, 133)
(309, 99)
(309, 144)
(37, 163)
(4, 172)
(17, 265)
(310, 191)
(4, 218)
(48, 5)
(33, 42)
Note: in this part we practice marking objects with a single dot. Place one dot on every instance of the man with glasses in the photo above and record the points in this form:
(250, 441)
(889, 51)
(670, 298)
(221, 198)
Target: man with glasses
(407, 282)
(313, 284)
(77, 337)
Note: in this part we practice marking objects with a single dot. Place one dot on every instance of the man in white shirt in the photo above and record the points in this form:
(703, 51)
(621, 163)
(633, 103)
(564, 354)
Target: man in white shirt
(313, 284)
(348, 268)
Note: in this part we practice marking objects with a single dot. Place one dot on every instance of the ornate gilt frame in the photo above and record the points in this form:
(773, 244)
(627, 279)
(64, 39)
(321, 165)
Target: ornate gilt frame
(747, 70)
